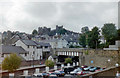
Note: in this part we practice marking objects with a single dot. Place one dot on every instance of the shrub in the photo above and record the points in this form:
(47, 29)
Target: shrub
(49, 63)
(11, 63)
(68, 60)
(86, 53)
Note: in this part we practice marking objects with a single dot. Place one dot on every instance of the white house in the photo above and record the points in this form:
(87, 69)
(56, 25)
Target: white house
(35, 49)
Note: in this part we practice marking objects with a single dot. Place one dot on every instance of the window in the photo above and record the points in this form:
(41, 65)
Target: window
(46, 46)
(33, 46)
(41, 46)
(25, 54)
(33, 52)
(2, 55)
(28, 46)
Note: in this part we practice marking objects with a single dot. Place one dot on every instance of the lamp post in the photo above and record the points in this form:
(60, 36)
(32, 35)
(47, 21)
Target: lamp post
(116, 64)
(33, 60)
(40, 59)
(108, 62)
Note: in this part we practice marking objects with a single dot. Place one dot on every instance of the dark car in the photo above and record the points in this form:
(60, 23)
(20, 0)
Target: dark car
(60, 73)
(45, 75)
(41, 75)
(68, 70)
(25, 76)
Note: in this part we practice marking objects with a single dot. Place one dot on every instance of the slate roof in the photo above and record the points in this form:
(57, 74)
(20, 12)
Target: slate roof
(71, 38)
(29, 42)
(6, 49)
(42, 44)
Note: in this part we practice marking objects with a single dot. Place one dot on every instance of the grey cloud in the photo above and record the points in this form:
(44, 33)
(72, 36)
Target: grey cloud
(72, 15)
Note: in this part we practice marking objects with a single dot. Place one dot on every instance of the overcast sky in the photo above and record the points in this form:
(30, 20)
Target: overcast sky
(26, 16)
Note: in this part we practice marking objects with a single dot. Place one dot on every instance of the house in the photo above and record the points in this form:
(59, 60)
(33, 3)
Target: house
(46, 48)
(41, 37)
(72, 39)
(35, 49)
(57, 43)
(6, 50)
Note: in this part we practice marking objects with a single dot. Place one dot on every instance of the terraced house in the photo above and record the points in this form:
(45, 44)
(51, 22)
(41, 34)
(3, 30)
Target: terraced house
(35, 50)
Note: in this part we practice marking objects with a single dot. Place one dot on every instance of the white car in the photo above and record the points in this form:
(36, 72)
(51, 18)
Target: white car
(52, 75)
(87, 69)
(75, 71)
(38, 75)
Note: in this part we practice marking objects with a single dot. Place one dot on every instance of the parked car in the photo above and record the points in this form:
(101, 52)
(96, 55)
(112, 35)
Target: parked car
(41, 75)
(52, 75)
(45, 75)
(25, 76)
(68, 70)
(75, 71)
(94, 69)
(100, 69)
(87, 69)
(81, 73)
(60, 73)
(38, 75)
(84, 66)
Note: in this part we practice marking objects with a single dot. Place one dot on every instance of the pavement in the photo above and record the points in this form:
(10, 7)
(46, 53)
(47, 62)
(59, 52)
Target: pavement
(27, 67)
(32, 66)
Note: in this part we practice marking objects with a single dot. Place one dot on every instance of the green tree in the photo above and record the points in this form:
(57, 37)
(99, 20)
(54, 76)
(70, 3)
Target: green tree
(82, 40)
(109, 32)
(68, 60)
(34, 32)
(49, 63)
(85, 29)
(93, 38)
(11, 63)
(71, 46)
(118, 36)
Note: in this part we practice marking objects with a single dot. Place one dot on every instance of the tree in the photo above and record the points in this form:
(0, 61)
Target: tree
(93, 38)
(82, 40)
(84, 29)
(34, 32)
(11, 63)
(68, 60)
(109, 32)
(49, 63)
(118, 36)
(71, 46)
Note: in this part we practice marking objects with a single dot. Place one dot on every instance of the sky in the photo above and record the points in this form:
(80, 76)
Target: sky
(24, 15)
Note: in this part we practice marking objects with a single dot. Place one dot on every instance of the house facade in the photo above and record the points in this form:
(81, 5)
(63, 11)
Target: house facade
(6, 50)
(57, 43)
(35, 49)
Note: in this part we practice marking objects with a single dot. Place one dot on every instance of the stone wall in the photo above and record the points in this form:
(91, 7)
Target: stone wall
(99, 57)
(107, 73)
(102, 58)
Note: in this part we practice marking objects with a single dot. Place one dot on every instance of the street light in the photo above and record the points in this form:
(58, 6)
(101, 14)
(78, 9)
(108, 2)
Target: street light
(33, 60)
(108, 62)
(116, 64)
(40, 59)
